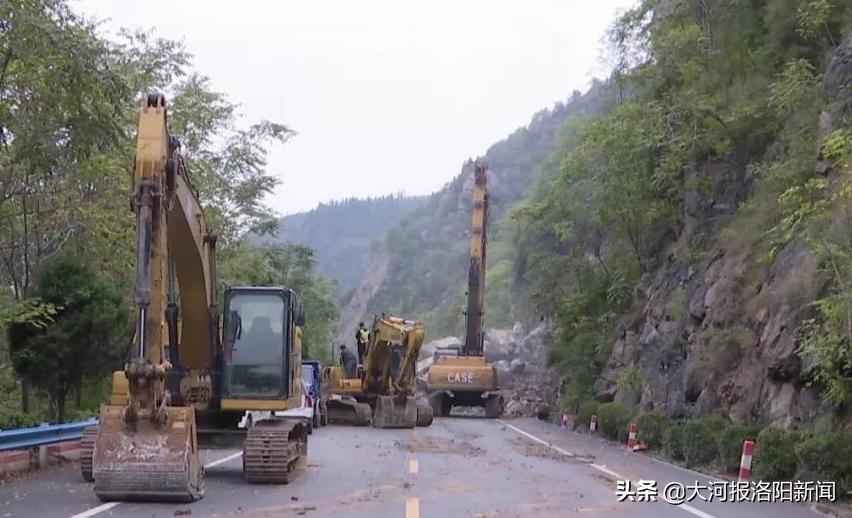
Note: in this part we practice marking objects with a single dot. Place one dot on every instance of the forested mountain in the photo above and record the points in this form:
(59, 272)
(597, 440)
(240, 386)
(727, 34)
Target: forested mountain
(342, 232)
(685, 224)
(419, 268)
(693, 243)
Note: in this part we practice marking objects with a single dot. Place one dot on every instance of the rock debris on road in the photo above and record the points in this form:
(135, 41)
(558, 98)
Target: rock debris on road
(458, 467)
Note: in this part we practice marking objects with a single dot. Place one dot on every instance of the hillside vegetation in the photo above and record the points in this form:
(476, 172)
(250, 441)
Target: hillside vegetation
(424, 258)
(342, 233)
(68, 103)
(683, 223)
(693, 242)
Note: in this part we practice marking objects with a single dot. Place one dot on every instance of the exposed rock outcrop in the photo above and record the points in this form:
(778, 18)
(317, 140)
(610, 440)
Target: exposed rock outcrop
(722, 333)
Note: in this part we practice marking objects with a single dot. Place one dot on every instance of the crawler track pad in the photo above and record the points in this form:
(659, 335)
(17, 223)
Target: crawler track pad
(275, 451)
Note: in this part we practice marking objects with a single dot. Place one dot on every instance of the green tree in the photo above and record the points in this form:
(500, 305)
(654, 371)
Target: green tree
(292, 266)
(87, 337)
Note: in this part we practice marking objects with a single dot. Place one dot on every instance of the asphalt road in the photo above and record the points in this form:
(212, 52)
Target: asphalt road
(458, 467)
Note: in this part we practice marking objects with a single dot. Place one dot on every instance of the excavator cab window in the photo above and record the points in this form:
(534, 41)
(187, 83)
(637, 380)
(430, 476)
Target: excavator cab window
(256, 340)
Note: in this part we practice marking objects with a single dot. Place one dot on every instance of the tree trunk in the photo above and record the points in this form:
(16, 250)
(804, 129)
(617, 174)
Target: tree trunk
(78, 391)
(25, 396)
(60, 406)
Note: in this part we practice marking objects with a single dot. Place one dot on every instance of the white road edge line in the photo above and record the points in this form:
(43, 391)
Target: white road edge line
(685, 507)
(536, 439)
(97, 510)
(607, 471)
(109, 505)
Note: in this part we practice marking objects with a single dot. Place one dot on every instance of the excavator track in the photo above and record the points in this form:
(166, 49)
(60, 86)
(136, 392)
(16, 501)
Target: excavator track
(494, 406)
(87, 451)
(424, 414)
(275, 451)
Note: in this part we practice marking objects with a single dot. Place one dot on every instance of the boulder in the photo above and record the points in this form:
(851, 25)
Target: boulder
(517, 366)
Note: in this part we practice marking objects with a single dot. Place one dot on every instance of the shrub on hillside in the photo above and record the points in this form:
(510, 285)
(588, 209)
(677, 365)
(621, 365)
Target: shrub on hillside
(614, 420)
(13, 418)
(699, 441)
(730, 444)
(775, 454)
(827, 457)
(673, 441)
(652, 428)
(585, 410)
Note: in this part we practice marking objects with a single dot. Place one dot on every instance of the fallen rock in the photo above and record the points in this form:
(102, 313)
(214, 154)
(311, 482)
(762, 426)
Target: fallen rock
(517, 366)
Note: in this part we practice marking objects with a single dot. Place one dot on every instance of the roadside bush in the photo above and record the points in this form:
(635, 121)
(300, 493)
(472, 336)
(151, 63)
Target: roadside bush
(730, 444)
(652, 428)
(775, 454)
(13, 418)
(673, 441)
(699, 441)
(585, 410)
(827, 457)
(613, 419)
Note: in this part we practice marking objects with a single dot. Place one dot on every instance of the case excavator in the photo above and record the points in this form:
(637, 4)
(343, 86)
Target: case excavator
(383, 391)
(462, 377)
(188, 380)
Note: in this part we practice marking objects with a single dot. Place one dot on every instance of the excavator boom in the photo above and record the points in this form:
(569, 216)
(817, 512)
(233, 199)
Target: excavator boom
(147, 449)
(473, 337)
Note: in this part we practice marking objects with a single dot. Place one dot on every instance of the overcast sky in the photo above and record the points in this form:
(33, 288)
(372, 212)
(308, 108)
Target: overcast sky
(386, 96)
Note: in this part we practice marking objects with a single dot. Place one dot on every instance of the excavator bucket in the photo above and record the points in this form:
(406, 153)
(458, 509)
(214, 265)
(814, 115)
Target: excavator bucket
(151, 462)
(348, 411)
(391, 412)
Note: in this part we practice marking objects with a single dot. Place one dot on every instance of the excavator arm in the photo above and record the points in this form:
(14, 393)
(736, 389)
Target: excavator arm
(148, 449)
(468, 379)
(389, 368)
(474, 337)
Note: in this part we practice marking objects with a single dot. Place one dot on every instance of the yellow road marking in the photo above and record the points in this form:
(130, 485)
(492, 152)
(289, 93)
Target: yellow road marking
(413, 466)
(412, 508)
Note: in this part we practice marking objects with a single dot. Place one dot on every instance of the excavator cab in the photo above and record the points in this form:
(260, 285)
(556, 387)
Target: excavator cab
(257, 363)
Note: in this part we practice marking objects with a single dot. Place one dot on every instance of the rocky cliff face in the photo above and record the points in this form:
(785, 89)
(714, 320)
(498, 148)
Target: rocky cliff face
(722, 332)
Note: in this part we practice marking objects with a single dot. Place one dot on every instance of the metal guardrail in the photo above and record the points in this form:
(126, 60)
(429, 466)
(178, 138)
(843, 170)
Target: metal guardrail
(35, 436)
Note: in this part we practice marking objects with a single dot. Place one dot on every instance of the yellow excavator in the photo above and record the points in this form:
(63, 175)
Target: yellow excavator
(383, 391)
(462, 377)
(188, 379)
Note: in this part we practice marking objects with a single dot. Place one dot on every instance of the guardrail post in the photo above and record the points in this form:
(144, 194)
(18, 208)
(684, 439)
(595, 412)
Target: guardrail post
(42, 456)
